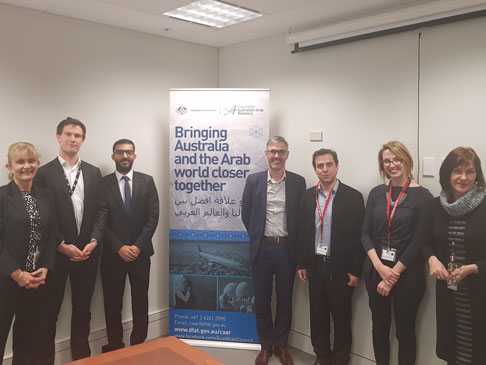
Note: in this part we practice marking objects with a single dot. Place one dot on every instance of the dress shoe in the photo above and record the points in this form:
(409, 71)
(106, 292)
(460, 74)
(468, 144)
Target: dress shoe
(284, 356)
(263, 357)
(109, 348)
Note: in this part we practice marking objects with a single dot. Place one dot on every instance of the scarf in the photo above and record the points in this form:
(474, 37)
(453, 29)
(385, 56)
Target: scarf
(465, 204)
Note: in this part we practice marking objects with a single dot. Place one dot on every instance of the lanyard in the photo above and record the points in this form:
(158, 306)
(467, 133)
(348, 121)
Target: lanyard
(71, 190)
(322, 213)
(395, 206)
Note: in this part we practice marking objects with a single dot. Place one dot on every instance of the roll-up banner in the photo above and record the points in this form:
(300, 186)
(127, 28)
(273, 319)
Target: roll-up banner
(217, 138)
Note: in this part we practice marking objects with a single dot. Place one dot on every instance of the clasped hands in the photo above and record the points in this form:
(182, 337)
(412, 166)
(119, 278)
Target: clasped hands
(438, 270)
(30, 280)
(129, 253)
(74, 253)
(389, 279)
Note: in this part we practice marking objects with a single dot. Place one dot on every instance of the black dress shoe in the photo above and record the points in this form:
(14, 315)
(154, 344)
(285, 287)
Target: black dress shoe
(284, 356)
(108, 347)
(263, 357)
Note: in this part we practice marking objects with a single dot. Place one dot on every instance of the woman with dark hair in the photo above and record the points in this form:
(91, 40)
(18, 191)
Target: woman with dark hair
(394, 268)
(27, 251)
(456, 253)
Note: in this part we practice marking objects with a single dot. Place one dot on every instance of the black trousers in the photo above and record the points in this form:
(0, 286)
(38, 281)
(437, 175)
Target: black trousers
(273, 259)
(405, 296)
(25, 305)
(114, 271)
(82, 276)
(328, 296)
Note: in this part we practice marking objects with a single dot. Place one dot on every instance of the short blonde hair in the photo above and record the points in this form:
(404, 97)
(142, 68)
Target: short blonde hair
(402, 152)
(21, 148)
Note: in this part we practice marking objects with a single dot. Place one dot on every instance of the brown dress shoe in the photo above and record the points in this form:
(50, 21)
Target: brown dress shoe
(263, 357)
(284, 356)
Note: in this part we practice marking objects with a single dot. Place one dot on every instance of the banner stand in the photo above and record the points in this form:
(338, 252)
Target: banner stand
(217, 138)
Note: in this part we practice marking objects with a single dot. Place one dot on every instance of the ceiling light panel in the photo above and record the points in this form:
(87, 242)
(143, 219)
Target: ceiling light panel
(213, 13)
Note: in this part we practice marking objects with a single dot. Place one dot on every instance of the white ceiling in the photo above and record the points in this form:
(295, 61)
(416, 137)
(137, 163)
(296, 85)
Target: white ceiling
(146, 16)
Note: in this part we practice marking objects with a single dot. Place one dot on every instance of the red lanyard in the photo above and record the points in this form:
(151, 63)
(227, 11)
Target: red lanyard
(395, 206)
(322, 214)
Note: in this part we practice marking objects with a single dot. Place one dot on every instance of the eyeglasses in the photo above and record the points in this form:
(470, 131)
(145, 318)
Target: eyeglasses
(120, 153)
(395, 162)
(279, 152)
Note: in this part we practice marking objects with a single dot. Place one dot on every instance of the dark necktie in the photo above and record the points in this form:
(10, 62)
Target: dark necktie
(128, 194)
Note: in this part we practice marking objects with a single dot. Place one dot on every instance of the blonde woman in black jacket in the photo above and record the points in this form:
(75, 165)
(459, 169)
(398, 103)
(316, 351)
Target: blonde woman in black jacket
(27, 249)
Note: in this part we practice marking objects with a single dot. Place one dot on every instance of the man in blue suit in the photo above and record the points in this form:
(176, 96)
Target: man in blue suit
(270, 212)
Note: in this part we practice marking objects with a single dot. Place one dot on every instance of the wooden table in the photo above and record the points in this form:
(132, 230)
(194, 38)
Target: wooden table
(164, 351)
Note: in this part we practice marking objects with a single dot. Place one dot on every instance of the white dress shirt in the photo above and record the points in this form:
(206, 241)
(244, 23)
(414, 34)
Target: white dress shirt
(77, 197)
(276, 217)
(121, 183)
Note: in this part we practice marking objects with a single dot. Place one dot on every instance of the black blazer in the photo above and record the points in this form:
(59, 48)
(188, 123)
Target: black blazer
(347, 253)
(52, 176)
(254, 204)
(138, 226)
(15, 229)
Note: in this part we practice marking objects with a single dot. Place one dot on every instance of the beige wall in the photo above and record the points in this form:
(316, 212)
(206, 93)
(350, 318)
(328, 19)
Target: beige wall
(117, 82)
(361, 95)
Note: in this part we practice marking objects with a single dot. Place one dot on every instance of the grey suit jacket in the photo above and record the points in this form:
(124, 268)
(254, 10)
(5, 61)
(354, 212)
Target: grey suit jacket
(253, 210)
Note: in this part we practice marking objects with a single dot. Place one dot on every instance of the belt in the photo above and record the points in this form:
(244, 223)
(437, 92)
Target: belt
(322, 258)
(267, 239)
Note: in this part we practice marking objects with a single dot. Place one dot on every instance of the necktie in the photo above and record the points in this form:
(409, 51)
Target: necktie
(128, 194)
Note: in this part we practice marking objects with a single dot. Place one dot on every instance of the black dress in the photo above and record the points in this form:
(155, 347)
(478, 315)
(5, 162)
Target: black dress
(452, 339)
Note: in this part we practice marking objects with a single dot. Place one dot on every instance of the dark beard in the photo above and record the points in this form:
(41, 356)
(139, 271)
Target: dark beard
(122, 169)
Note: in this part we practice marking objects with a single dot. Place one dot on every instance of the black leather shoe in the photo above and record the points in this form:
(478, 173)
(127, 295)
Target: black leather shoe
(263, 357)
(108, 347)
(284, 356)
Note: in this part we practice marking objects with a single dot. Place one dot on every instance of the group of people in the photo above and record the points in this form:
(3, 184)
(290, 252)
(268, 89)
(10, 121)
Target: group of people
(56, 221)
(326, 234)
(59, 219)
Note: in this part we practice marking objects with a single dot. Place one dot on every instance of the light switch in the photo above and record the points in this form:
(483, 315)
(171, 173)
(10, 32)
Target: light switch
(429, 167)
(315, 136)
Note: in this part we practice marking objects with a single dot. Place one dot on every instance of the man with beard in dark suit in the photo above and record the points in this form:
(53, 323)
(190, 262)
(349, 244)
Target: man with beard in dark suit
(75, 185)
(133, 213)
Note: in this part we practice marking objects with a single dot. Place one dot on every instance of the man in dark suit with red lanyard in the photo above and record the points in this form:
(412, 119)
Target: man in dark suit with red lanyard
(75, 185)
(270, 213)
(331, 256)
(133, 213)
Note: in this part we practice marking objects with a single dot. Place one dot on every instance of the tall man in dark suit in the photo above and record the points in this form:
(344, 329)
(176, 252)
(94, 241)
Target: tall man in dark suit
(270, 212)
(133, 213)
(331, 256)
(76, 186)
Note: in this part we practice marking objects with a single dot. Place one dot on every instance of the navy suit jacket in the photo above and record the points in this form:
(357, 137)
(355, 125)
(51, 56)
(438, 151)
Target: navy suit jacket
(138, 225)
(15, 229)
(254, 204)
(51, 175)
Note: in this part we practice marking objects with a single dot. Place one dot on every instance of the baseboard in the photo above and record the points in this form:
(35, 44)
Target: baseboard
(303, 342)
(158, 327)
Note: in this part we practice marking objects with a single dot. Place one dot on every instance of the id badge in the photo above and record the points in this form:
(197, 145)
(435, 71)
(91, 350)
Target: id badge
(322, 250)
(389, 254)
